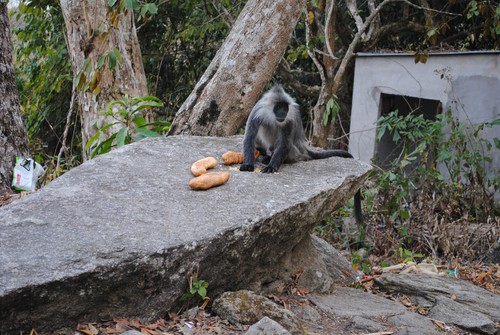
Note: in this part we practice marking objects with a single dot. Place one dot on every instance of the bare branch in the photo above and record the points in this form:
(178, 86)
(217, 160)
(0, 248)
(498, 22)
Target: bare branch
(315, 60)
(390, 28)
(373, 28)
(352, 6)
(430, 9)
(328, 44)
(427, 13)
(64, 148)
(226, 16)
(287, 75)
(350, 51)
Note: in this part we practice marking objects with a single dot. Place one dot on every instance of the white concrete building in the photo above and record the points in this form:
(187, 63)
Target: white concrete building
(468, 83)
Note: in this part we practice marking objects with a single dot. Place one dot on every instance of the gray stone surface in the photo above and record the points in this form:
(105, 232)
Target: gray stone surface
(365, 324)
(246, 307)
(373, 313)
(320, 265)
(116, 236)
(474, 308)
(132, 332)
(267, 326)
(306, 313)
(455, 313)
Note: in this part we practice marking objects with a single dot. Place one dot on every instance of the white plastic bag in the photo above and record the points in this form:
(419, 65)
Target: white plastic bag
(26, 173)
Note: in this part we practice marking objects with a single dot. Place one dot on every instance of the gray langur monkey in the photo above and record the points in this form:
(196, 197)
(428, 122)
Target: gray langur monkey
(275, 129)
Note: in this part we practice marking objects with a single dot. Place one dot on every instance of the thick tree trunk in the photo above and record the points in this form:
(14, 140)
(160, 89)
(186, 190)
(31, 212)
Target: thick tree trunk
(227, 91)
(12, 135)
(321, 130)
(92, 34)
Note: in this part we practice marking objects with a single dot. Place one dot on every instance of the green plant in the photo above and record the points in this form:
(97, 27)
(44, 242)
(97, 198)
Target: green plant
(197, 287)
(408, 256)
(438, 154)
(332, 109)
(43, 73)
(360, 262)
(125, 114)
(438, 176)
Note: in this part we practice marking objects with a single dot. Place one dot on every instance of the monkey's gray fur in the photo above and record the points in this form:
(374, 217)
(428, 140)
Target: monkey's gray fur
(274, 127)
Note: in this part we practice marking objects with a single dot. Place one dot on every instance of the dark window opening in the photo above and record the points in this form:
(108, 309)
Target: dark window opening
(386, 149)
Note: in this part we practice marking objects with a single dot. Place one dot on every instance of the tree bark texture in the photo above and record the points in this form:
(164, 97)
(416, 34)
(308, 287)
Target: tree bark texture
(90, 35)
(236, 77)
(321, 130)
(13, 140)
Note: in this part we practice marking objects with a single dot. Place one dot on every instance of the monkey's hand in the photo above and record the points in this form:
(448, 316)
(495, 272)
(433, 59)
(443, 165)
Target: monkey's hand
(269, 169)
(266, 159)
(246, 167)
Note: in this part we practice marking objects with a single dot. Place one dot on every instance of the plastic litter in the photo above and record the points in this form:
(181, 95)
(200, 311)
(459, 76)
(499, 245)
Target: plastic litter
(26, 173)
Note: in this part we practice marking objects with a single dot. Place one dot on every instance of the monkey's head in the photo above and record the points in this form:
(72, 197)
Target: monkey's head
(280, 110)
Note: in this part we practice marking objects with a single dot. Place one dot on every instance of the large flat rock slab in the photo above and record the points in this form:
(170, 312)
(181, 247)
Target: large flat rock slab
(369, 313)
(118, 235)
(448, 299)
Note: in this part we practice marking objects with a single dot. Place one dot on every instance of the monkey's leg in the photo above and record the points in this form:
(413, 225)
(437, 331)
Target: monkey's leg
(282, 148)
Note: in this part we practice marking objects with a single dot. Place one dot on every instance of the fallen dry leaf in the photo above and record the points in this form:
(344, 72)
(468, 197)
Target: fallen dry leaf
(405, 301)
(440, 324)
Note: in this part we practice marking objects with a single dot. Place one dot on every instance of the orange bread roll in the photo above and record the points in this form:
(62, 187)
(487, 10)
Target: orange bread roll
(201, 166)
(209, 180)
(235, 157)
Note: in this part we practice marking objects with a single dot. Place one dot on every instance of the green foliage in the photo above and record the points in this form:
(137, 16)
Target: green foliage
(408, 256)
(300, 52)
(125, 114)
(360, 262)
(480, 19)
(328, 227)
(179, 44)
(90, 76)
(332, 109)
(43, 70)
(143, 9)
(336, 228)
(455, 146)
(197, 288)
(439, 176)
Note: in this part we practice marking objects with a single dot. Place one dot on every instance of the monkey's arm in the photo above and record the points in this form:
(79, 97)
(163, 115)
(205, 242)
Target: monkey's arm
(251, 130)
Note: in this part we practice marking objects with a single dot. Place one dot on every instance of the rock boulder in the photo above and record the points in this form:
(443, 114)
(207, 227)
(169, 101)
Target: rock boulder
(118, 235)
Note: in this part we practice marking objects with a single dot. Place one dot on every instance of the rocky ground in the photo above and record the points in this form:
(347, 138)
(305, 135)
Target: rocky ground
(405, 300)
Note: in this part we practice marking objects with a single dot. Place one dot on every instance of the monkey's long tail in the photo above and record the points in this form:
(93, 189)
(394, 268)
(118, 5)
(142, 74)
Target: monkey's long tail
(320, 154)
(358, 212)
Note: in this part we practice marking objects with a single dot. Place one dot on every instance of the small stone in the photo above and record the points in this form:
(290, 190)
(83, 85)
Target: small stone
(267, 326)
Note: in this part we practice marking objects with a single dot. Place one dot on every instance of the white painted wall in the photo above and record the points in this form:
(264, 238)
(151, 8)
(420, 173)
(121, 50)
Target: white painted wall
(468, 83)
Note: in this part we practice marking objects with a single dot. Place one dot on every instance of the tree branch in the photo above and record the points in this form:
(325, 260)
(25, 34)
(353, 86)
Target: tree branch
(288, 76)
(226, 16)
(319, 66)
(430, 9)
(64, 148)
(350, 51)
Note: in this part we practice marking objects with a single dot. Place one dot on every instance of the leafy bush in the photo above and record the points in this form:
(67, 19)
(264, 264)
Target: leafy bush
(44, 75)
(125, 114)
(436, 197)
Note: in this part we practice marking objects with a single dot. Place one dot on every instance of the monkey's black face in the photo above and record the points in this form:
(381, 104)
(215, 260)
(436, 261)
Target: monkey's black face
(280, 111)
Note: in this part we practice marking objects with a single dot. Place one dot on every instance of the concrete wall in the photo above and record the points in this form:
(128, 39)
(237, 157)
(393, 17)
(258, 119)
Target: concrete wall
(468, 83)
